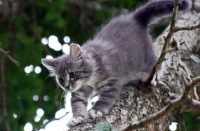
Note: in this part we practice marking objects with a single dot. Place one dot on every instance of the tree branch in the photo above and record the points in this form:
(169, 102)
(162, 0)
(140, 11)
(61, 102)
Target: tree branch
(191, 105)
(165, 47)
(172, 105)
(37, 36)
(6, 53)
(192, 27)
(3, 96)
(175, 103)
(173, 29)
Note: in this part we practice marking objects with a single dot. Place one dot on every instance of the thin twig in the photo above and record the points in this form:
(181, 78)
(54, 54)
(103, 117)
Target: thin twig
(6, 53)
(165, 47)
(175, 103)
(171, 106)
(187, 28)
(173, 29)
(32, 28)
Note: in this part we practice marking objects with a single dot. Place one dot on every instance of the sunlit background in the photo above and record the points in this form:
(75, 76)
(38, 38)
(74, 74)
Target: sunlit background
(53, 43)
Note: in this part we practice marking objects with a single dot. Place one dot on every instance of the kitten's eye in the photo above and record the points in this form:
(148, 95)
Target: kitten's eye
(61, 80)
(72, 74)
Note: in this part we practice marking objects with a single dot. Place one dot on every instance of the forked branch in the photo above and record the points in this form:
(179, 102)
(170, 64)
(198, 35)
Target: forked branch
(167, 109)
(173, 29)
(15, 62)
(177, 102)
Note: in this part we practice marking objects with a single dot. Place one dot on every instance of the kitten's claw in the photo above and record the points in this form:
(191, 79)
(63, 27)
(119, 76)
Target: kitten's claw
(94, 113)
(75, 121)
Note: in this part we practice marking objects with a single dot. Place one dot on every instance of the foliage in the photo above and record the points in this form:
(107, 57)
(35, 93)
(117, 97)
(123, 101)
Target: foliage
(22, 38)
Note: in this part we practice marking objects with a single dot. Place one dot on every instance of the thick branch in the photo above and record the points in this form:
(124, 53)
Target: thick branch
(171, 106)
(15, 62)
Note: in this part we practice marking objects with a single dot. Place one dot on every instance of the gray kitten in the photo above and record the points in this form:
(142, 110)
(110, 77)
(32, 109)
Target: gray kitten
(120, 53)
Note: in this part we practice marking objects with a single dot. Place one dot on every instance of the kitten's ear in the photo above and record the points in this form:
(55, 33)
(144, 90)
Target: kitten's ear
(75, 52)
(50, 64)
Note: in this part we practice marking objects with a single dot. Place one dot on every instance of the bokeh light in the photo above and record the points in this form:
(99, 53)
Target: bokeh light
(54, 43)
(44, 41)
(28, 127)
(66, 39)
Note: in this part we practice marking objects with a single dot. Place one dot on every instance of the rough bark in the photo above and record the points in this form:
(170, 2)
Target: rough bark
(138, 102)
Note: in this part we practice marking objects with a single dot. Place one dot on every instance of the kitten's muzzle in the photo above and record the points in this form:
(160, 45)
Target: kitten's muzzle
(67, 87)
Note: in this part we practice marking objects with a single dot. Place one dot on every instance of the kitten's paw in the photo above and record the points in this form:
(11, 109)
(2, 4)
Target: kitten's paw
(75, 121)
(94, 113)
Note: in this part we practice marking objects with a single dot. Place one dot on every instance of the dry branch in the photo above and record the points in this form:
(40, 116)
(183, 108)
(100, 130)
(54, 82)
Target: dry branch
(173, 29)
(34, 32)
(165, 47)
(6, 53)
(192, 27)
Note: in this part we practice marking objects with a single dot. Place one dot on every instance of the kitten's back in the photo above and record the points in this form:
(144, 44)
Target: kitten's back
(124, 43)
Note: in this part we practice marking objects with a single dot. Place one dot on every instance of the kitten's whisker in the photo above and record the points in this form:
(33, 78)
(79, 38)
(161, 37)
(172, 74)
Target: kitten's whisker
(45, 80)
(62, 96)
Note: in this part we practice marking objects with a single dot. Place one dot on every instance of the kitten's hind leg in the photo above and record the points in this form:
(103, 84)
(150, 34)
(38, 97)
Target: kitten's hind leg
(109, 94)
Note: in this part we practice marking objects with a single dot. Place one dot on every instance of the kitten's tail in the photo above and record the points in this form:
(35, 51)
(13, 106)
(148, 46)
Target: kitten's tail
(158, 9)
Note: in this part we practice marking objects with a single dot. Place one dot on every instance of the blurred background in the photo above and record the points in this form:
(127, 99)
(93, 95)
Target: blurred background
(35, 29)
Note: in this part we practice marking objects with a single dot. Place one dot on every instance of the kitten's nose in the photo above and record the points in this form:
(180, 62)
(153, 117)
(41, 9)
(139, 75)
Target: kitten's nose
(67, 87)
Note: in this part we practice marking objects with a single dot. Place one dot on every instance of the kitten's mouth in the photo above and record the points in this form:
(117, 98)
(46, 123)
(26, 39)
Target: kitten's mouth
(73, 89)
(67, 87)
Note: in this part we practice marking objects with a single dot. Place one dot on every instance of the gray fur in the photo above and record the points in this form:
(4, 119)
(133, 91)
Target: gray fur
(120, 53)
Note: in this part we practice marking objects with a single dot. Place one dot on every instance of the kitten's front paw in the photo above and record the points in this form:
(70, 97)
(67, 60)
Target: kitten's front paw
(75, 121)
(94, 113)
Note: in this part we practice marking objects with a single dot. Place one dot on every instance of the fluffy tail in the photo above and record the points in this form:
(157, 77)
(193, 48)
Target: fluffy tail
(158, 9)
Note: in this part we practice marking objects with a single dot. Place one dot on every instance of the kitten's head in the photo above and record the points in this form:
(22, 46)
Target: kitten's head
(71, 71)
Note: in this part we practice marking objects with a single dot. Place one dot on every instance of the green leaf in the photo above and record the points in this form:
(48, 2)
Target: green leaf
(60, 22)
(51, 15)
